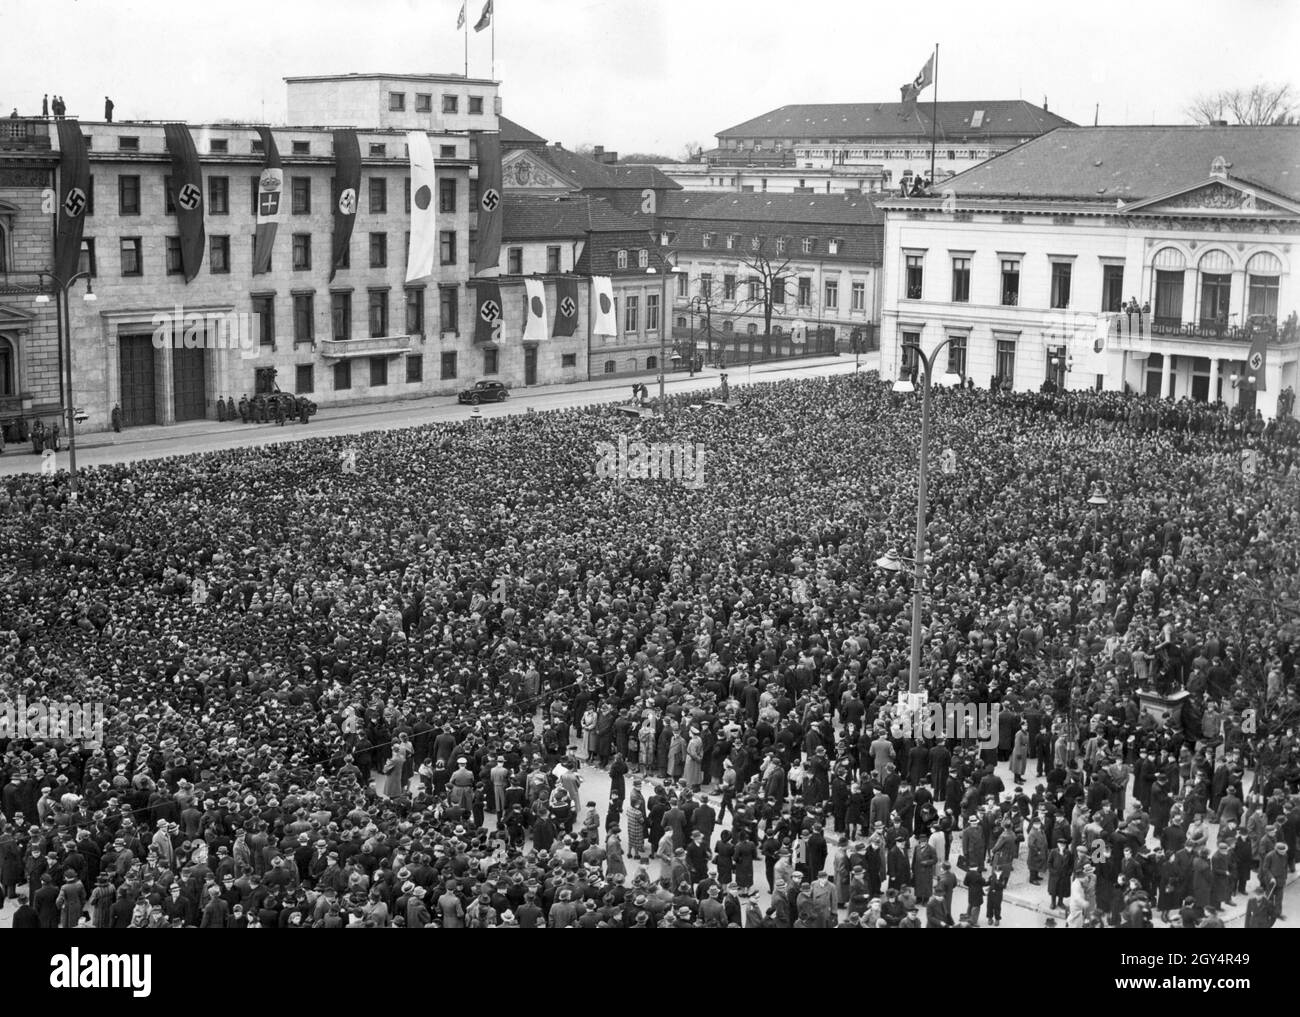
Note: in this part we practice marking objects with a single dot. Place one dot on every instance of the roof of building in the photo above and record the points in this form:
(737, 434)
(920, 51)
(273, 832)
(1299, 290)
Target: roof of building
(641, 176)
(542, 217)
(827, 121)
(587, 173)
(764, 206)
(390, 76)
(513, 134)
(1132, 163)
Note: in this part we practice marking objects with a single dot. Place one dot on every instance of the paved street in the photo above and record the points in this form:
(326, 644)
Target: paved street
(156, 442)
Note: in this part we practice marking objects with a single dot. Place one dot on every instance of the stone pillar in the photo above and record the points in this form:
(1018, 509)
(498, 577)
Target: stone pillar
(1214, 380)
(164, 394)
(1166, 369)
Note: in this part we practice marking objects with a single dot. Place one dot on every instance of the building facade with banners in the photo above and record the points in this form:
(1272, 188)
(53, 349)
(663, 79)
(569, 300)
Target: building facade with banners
(1153, 260)
(165, 350)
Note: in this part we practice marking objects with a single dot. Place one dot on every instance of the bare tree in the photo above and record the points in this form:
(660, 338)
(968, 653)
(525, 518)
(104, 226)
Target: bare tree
(692, 152)
(1261, 105)
(765, 288)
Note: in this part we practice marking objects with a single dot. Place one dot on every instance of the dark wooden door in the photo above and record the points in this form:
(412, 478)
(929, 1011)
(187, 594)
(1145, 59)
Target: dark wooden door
(189, 391)
(136, 373)
(530, 365)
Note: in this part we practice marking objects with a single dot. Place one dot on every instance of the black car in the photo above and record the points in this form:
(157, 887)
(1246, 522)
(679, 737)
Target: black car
(484, 392)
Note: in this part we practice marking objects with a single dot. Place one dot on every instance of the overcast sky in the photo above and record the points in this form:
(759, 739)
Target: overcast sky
(645, 75)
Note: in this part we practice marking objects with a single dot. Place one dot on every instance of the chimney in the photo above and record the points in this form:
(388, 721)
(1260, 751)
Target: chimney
(597, 151)
(1045, 109)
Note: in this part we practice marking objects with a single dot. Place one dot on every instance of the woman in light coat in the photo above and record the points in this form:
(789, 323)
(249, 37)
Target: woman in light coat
(1020, 753)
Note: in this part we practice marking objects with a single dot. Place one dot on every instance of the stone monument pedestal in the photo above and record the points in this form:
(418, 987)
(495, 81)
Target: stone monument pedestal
(1162, 707)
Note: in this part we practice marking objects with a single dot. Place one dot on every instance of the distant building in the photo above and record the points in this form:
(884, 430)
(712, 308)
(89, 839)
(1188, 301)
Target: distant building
(1029, 262)
(832, 148)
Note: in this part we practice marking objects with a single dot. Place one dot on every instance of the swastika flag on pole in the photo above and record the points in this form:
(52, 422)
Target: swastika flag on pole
(74, 192)
(187, 196)
(566, 307)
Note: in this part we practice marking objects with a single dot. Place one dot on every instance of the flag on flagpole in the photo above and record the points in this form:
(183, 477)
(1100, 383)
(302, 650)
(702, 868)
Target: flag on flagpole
(566, 307)
(485, 18)
(1257, 360)
(460, 21)
(535, 310)
(489, 318)
(424, 224)
(187, 196)
(604, 321)
(347, 187)
(491, 207)
(918, 84)
(270, 192)
(74, 191)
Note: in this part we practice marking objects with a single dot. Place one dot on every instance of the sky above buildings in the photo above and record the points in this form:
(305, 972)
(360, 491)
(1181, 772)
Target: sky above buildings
(645, 75)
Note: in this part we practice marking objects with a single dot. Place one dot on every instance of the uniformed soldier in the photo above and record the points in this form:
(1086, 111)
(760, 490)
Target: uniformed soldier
(243, 408)
(221, 409)
(116, 417)
(303, 410)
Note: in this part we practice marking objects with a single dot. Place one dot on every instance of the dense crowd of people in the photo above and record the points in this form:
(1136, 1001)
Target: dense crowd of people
(359, 681)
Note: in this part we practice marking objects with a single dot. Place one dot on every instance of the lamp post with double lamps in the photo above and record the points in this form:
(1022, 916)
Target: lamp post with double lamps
(64, 327)
(892, 561)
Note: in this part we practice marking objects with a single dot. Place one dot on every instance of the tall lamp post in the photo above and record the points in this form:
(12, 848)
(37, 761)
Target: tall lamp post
(64, 327)
(892, 562)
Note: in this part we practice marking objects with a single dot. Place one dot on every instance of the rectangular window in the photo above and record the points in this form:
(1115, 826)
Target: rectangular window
(301, 252)
(755, 289)
(449, 309)
(446, 195)
(909, 364)
(447, 247)
(706, 285)
(808, 245)
(396, 102)
(415, 310)
(620, 259)
(914, 276)
(805, 292)
(378, 195)
(302, 148)
(553, 260)
(731, 241)
(342, 375)
(961, 280)
(706, 240)
(515, 261)
(174, 263)
(832, 295)
(90, 196)
(683, 285)
(450, 104)
(652, 312)
(304, 330)
(377, 150)
(378, 372)
(423, 102)
(1169, 297)
(1216, 291)
(957, 356)
(476, 105)
(86, 263)
(778, 292)
(630, 314)
(219, 255)
(1056, 366)
(128, 195)
(1262, 296)
(219, 195)
(341, 315)
(491, 361)
(301, 195)
(1061, 271)
(859, 296)
(447, 365)
(378, 250)
(473, 245)
(449, 151)
(304, 379)
(132, 259)
(264, 311)
(1112, 287)
(128, 144)
(414, 368)
(1006, 364)
(1010, 282)
(252, 186)
(378, 313)
(569, 360)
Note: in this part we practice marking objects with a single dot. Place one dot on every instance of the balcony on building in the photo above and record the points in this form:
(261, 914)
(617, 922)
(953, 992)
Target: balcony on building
(371, 346)
(24, 134)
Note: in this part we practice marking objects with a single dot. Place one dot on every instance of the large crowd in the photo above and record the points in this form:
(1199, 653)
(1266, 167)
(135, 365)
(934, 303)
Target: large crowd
(361, 682)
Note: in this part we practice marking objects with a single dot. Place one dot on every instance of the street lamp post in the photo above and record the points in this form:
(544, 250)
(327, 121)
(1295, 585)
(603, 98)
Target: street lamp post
(64, 329)
(903, 385)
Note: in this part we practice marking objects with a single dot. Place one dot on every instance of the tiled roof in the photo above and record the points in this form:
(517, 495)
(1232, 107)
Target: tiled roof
(1132, 163)
(855, 120)
(640, 176)
(515, 136)
(582, 171)
(763, 206)
(532, 217)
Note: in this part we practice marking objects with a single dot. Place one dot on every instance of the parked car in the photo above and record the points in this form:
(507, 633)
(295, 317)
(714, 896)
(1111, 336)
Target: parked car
(484, 392)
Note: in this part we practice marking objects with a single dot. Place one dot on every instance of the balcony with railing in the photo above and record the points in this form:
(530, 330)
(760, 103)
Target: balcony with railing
(24, 134)
(370, 346)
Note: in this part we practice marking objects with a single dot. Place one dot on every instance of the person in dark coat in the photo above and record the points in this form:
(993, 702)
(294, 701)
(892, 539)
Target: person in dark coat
(1060, 869)
(46, 903)
(25, 917)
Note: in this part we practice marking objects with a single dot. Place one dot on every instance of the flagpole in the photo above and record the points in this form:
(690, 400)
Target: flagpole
(494, 41)
(934, 113)
(465, 30)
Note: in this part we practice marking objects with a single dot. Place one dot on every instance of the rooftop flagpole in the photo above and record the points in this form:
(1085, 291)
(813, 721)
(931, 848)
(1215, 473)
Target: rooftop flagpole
(464, 24)
(934, 113)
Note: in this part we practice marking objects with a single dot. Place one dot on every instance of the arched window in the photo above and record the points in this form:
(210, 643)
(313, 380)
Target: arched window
(621, 259)
(1169, 265)
(728, 327)
(751, 328)
(651, 363)
(1263, 273)
(777, 330)
(1215, 269)
(681, 322)
(610, 367)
